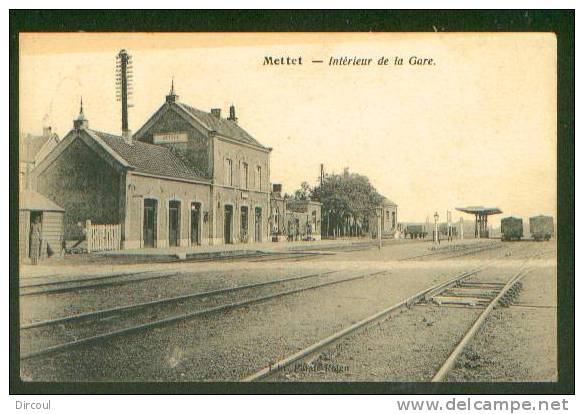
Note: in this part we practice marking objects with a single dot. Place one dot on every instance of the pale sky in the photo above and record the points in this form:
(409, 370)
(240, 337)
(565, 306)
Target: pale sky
(476, 128)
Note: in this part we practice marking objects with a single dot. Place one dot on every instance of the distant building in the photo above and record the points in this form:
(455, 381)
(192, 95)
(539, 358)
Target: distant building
(32, 150)
(294, 219)
(388, 210)
(303, 217)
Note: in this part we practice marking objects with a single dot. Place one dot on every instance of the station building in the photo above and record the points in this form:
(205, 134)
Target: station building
(187, 177)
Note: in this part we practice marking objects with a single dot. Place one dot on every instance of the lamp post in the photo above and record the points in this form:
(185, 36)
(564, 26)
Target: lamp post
(436, 216)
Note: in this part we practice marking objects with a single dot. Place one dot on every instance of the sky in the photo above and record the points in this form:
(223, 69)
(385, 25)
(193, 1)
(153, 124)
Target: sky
(476, 127)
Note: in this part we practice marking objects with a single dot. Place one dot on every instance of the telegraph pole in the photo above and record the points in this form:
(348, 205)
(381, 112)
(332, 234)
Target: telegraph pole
(124, 78)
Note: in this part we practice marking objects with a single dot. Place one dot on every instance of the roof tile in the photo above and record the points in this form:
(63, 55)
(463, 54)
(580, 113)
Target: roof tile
(222, 126)
(151, 159)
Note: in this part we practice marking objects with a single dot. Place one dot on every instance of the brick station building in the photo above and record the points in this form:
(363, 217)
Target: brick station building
(186, 177)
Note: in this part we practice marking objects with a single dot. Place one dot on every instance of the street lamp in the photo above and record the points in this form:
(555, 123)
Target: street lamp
(436, 216)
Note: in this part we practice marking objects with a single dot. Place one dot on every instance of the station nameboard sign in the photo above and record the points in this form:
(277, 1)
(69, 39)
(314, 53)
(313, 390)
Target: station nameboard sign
(170, 137)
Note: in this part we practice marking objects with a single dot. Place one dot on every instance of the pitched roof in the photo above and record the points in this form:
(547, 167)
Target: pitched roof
(30, 145)
(149, 158)
(31, 200)
(222, 126)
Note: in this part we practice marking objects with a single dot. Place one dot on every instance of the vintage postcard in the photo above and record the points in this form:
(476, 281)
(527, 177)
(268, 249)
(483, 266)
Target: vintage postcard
(288, 207)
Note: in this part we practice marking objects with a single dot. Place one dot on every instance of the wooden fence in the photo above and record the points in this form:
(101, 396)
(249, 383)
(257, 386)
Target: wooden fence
(103, 237)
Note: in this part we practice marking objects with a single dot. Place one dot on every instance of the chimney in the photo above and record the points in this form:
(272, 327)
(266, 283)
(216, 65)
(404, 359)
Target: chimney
(127, 135)
(172, 96)
(216, 112)
(47, 131)
(81, 122)
(232, 116)
(277, 189)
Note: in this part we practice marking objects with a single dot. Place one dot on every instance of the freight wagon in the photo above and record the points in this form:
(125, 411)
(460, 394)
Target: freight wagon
(541, 227)
(511, 228)
(415, 231)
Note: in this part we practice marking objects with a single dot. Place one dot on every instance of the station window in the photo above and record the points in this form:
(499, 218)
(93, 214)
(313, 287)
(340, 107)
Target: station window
(244, 175)
(228, 171)
(259, 177)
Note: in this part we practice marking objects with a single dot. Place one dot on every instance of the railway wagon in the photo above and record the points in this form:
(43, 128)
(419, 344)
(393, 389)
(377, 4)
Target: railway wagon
(511, 228)
(541, 227)
(415, 231)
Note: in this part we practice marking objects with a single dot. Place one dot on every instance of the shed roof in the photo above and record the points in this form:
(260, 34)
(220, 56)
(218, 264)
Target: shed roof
(31, 200)
(30, 145)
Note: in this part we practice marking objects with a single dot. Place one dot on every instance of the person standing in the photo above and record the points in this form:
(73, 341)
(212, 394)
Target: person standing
(35, 240)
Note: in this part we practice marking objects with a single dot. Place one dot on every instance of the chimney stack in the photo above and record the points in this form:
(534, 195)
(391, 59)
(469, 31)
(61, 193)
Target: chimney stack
(47, 131)
(216, 112)
(127, 135)
(277, 189)
(232, 116)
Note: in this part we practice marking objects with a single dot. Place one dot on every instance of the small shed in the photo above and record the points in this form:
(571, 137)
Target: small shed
(32, 206)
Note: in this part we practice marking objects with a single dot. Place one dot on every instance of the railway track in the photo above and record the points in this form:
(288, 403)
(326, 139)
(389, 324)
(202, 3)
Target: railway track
(61, 286)
(51, 286)
(62, 334)
(76, 284)
(457, 292)
(499, 295)
(455, 251)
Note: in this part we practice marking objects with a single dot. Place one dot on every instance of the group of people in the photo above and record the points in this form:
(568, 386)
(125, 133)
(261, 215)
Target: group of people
(294, 232)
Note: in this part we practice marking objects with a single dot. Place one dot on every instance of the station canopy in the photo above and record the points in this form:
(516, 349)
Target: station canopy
(487, 211)
(481, 217)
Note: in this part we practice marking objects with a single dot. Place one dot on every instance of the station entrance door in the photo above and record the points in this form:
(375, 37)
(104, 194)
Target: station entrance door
(195, 224)
(150, 214)
(258, 224)
(173, 223)
(227, 224)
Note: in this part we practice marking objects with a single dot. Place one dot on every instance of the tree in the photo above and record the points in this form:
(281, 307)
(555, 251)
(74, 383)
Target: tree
(348, 200)
(304, 192)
